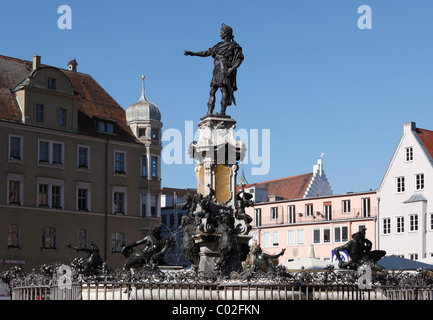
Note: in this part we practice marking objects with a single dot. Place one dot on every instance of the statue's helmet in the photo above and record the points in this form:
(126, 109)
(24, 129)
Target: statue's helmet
(227, 30)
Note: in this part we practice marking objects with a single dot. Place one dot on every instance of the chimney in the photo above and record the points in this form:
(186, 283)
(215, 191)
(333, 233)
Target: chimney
(73, 65)
(318, 168)
(36, 62)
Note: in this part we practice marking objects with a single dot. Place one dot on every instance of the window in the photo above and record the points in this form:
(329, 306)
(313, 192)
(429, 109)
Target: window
(326, 235)
(413, 222)
(82, 238)
(143, 205)
(300, 236)
(142, 132)
(13, 236)
(44, 152)
(43, 195)
(50, 193)
(341, 234)
(105, 126)
(346, 206)
(153, 206)
(15, 188)
(386, 225)
(274, 213)
(118, 239)
(419, 181)
(327, 212)
(308, 210)
(83, 196)
(265, 240)
(275, 239)
(408, 154)
(56, 197)
(119, 196)
(51, 83)
(413, 256)
(83, 157)
(39, 113)
(154, 167)
(258, 217)
(316, 235)
(290, 237)
(62, 117)
(15, 148)
(119, 162)
(400, 187)
(431, 221)
(144, 166)
(291, 214)
(82, 199)
(365, 207)
(57, 153)
(51, 152)
(400, 224)
(49, 238)
(154, 134)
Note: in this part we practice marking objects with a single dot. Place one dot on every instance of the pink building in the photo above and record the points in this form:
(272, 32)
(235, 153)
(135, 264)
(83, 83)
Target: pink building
(323, 222)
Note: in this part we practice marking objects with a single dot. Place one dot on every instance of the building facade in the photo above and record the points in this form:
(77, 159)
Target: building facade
(74, 170)
(322, 222)
(406, 195)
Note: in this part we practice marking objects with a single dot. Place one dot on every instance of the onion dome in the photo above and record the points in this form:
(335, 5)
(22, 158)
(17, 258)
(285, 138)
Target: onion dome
(143, 110)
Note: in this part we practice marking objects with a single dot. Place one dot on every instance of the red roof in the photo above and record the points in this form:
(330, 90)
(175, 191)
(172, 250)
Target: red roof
(426, 137)
(288, 188)
(94, 101)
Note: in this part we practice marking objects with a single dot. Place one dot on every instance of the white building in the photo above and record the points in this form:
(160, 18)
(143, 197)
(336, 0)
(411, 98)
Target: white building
(405, 197)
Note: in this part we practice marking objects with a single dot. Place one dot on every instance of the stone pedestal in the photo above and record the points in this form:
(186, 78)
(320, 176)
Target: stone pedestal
(217, 153)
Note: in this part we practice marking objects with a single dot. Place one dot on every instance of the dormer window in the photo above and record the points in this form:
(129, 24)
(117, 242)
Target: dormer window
(105, 126)
(51, 83)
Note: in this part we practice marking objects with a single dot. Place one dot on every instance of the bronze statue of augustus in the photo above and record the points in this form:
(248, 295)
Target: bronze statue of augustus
(228, 57)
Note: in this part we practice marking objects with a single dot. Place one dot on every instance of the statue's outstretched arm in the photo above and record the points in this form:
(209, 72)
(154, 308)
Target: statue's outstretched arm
(198, 54)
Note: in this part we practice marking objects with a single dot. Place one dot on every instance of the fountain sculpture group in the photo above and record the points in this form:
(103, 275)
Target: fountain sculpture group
(216, 226)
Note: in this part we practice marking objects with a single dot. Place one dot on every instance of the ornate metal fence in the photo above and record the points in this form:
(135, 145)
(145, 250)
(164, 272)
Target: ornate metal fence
(154, 284)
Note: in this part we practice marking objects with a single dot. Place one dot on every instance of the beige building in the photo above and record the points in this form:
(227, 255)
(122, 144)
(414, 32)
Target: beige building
(76, 168)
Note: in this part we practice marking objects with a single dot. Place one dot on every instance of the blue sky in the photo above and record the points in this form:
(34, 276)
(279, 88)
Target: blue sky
(310, 75)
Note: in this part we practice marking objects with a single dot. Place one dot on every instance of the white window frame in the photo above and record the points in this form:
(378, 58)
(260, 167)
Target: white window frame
(309, 210)
(385, 226)
(346, 204)
(408, 154)
(50, 154)
(125, 162)
(50, 183)
(275, 239)
(19, 178)
(124, 191)
(400, 184)
(266, 240)
(83, 185)
(313, 234)
(274, 213)
(300, 237)
(290, 238)
(340, 231)
(83, 169)
(291, 213)
(413, 222)
(19, 160)
(399, 224)
(419, 182)
(366, 207)
(258, 217)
